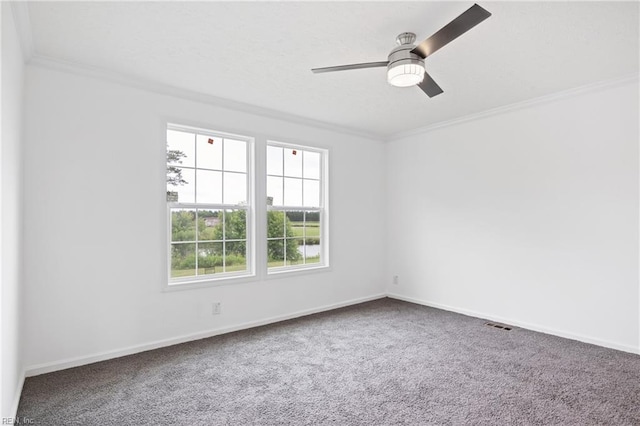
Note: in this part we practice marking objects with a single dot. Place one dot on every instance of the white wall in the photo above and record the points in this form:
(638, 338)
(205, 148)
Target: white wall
(10, 215)
(95, 222)
(529, 216)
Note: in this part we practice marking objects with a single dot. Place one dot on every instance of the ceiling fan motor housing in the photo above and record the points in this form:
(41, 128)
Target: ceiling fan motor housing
(402, 56)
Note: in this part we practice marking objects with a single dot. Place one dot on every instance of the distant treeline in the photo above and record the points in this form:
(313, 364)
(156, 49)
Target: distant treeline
(298, 216)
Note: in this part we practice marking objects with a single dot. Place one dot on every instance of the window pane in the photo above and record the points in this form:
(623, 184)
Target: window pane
(311, 193)
(209, 152)
(292, 192)
(311, 165)
(274, 190)
(275, 252)
(274, 160)
(295, 224)
(183, 225)
(180, 185)
(209, 258)
(292, 162)
(209, 187)
(311, 227)
(181, 148)
(209, 225)
(235, 224)
(275, 224)
(235, 155)
(312, 233)
(312, 250)
(294, 248)
(235, 188)
(312, 216)
(236, 256)
(183, 260)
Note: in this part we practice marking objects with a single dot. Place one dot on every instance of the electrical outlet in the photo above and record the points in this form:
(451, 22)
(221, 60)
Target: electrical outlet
(395, 280)
(216, 308)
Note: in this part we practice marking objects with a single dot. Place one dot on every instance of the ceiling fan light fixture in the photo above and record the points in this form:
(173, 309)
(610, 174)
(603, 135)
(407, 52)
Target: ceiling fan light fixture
(405, 67)
(405, 74)
(405, 64)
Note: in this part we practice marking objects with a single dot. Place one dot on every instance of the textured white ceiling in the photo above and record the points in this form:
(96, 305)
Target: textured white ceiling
(261, 53)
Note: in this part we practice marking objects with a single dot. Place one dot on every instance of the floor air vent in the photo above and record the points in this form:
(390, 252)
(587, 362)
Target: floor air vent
(500, 326)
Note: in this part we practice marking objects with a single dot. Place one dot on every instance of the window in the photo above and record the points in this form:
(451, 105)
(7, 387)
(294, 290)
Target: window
(209, 204)
(296, 211)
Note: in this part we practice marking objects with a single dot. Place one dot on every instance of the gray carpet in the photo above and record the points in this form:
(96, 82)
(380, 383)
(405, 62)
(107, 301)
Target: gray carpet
(379, 363)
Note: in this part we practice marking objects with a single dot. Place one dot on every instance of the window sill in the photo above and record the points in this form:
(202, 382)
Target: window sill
(208, 282)
(279, 273)
(273, 274)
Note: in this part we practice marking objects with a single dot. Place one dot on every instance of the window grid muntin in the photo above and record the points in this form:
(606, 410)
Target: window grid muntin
(304, 236)
(302, 151)
(319, 209)
(213, 206)
(222, 137)
(223, 209)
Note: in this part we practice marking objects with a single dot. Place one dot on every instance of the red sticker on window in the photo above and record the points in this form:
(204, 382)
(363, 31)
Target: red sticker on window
(295, 152)
(210, 141)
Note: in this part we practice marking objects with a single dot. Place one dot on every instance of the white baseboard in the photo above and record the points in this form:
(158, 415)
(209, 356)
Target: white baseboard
(17, 395)
(520, 324)
(49, 367)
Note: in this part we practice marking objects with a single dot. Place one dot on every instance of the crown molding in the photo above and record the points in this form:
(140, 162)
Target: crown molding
(20, 11)
(165, 89)
(588, 88)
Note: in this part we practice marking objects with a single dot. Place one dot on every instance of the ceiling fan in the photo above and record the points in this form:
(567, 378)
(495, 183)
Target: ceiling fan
(405, 64)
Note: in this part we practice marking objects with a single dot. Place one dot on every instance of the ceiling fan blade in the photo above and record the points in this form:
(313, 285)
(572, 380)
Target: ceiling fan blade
(351, 67)
(429, 86)
(454, 29)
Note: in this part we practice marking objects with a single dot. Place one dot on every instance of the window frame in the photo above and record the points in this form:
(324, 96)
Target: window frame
(322, 209)
(249, 208)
